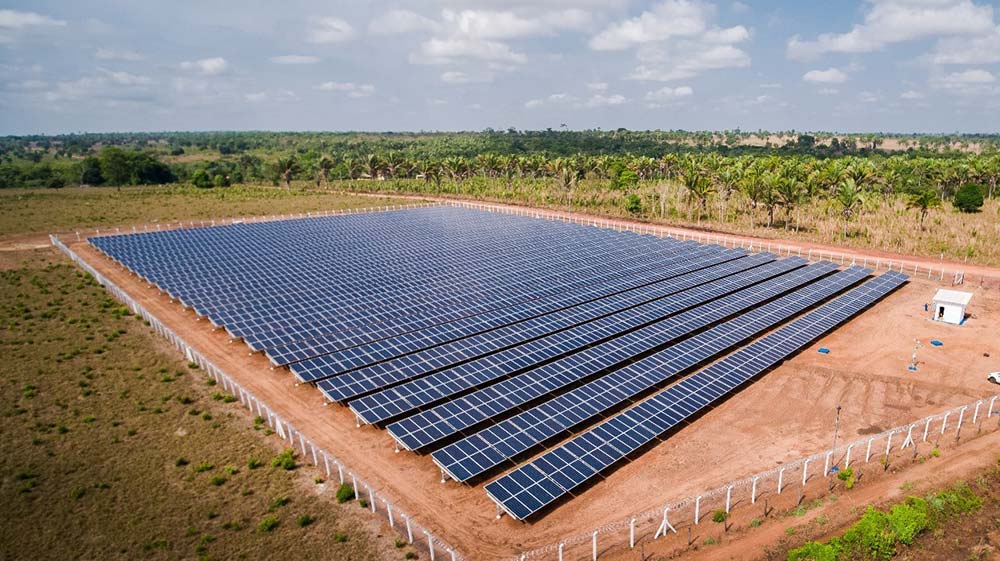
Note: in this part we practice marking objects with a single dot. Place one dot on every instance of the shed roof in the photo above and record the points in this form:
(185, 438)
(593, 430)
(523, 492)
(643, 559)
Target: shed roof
(952, 297)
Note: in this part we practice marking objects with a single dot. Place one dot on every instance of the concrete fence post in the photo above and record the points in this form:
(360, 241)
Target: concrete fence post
(847, 460)
(593, 546)
(805, 471)
(697, 509)
(729, 496)
(753, 491)
(781, 475)
(631, 533)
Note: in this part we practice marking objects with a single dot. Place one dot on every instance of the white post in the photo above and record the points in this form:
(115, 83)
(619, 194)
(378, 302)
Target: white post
(888, 446)
(593, 546)
(631, 533)
(847, 461)
(340, 472)
(826, 464)
(729, 495)
(753, 491)
(697, 509)
(388, 509)
(409, 531)
(430, 543)
(944, 421)
(989, 413)
(975, 414)
(560, 551)
(805, 471)
(927, 427)
(354, 481)
(781, 475)
(371, 498)
(868, 451)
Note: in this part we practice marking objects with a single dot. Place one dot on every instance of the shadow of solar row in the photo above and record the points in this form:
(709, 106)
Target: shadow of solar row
(579, 286)
(356, 352)
(491, 403)
(647, 305)
(540, 483)
(477, 454)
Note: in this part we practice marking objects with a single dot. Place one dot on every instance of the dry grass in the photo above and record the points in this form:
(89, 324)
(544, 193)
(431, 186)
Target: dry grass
(36, 211)
(112, 448)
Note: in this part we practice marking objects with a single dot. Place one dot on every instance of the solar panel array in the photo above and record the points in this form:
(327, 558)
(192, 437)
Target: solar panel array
(482, 337)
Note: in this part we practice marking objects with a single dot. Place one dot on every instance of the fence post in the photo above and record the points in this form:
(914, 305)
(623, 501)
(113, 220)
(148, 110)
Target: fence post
(594, 545)
(409, 531)
(560, 551)
(868, 451)
(805, 471)
(697, 509)
(729, 495)
(961, 415)
(631, 533)
(781, 475)
(430, 543)
(847, 461)
(753, 491)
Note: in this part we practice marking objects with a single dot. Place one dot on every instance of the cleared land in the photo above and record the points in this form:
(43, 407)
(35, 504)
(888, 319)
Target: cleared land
(776, 419)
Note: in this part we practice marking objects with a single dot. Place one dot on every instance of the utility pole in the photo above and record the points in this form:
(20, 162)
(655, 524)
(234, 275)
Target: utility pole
(836, 429)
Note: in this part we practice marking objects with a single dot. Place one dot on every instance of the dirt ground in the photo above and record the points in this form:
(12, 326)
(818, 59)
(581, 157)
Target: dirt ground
(785, 415)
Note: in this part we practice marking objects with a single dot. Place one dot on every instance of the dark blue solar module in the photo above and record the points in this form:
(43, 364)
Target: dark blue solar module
(555, 474)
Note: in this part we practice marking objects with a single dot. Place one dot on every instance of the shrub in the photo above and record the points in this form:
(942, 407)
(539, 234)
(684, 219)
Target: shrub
(633, 204)
(720, 516)
(410, 555)
(78, 493)
(935, 452)
(969, 198)
(871, 537)
(908, 519)
(279, 502)
(847, 476)
(341, 538)
(400, 544)
(204, 466)
(345, 493)
(268, 524)
(254, 463)
(755, 523)
(181, 462)
(285, 460)
(218, 480)
(813, 551)
(304, 520)
(363, 503)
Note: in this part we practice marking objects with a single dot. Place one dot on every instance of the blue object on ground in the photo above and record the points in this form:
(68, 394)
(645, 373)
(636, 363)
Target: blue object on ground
(911, 368)
(824, 350)
(936, 343)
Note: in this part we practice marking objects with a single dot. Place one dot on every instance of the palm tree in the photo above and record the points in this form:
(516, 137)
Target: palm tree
(769, 194)
(728, 180)
(285, 169)
(851, 198)
(923, 200)
(372, 166)
(789, 192)
(698, 185)
(323, 168)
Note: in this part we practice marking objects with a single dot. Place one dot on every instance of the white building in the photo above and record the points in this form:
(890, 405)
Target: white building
(949, 306)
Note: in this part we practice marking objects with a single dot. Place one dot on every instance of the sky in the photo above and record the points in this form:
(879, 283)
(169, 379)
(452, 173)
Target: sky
(407, 65)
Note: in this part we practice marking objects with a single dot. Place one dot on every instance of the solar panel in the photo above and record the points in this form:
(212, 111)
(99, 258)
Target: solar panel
(450, 418)
(479, 453)
(343, 356)
(392, 402)
(540, 483)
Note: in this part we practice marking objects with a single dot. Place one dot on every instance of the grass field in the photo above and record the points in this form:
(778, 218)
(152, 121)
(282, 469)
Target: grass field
(111, 447)
(56, 210)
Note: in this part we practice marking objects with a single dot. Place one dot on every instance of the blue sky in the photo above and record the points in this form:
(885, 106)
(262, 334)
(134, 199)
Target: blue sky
(873, 65)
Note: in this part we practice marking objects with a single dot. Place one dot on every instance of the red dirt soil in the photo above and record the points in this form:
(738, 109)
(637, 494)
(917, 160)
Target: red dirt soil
(785, 415)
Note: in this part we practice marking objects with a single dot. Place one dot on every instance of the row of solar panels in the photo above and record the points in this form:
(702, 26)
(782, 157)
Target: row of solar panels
(482, 385)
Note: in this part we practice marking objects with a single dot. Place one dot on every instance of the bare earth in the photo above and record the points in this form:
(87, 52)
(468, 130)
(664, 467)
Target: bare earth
(785, 415)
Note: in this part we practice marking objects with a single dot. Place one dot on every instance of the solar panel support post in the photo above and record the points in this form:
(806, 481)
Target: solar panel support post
(444, 476)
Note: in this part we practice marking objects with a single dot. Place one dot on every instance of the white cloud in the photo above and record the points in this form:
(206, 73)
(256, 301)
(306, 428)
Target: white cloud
(125, 78)
(601, 100)
(329, 30)
(869, 97)
(968, 50)
(456, 77)
(401, 21)
(669, 94)
(27, 85)
(828, 76)
(112, 54)
(689, 61)
(14, 19)
(106, 87)
(490, 24)
(350, 88)
(294, 59)
(675, 40)
(206, 66)
(554, 99)
(278, 96)
(975, 76)
(598, 86)
(671, 18)
(443, 51)
(896, 21)
(911, 95)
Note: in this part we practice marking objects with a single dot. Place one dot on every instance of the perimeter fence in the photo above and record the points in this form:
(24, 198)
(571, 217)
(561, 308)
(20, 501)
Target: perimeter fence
(378, 500)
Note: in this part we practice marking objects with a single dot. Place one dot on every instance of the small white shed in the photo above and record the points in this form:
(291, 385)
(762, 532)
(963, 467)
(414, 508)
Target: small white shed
(949, 306)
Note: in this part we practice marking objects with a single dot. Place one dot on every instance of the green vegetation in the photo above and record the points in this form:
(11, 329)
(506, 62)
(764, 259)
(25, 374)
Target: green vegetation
(285, 460)
(268, 524)
(878, 534)
(969, 198)
(73, 489)
(847, 476)
(345, 493)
